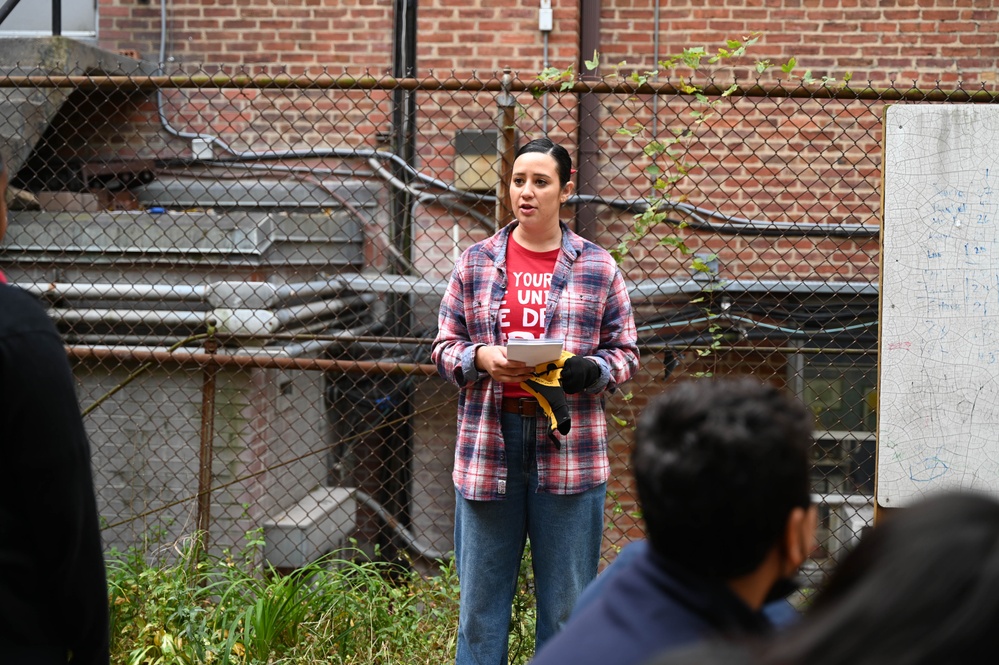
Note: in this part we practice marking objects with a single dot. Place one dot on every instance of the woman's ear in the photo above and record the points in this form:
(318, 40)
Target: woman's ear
(567, 191)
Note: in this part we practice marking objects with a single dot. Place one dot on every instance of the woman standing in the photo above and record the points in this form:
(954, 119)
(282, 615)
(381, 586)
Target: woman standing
(533, 279)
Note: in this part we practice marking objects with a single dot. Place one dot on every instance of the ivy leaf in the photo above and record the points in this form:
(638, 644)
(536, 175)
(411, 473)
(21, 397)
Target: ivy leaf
(654, 149)
(677, 243)
(550, 73)
(593, 64)
(789, 66)
(692, 56)
(698, 264)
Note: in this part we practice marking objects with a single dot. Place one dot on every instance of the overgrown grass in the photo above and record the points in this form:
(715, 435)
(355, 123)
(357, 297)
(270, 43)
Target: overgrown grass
(189, 609)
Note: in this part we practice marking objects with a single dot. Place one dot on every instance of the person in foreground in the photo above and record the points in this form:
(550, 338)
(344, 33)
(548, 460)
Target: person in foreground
(721, 470)
(920, 588)
(53, 587)
(533, 279)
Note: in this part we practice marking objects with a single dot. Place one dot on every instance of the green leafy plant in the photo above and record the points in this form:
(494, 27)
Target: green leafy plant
(195, 608)
(666, 165)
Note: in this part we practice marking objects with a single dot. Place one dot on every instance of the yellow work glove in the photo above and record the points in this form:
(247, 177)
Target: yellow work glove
(548, 391)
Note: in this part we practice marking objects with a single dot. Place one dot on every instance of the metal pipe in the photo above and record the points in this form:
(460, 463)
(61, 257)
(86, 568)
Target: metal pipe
(249, 360)
(656, 11)
(127, 341)
(842, 499)
(130, 317)
(545, 103)
(507, 149)
(647, 290)
(650, 290)
(155, 292)
(7, 8)
(588, 120)
(653, 347)
(57, 17)
(312, 289)
(410, 541)
(427, 198)
(318, 310)
(777, 91)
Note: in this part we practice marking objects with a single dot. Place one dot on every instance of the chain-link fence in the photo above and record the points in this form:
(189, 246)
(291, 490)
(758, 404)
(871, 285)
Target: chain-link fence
(247, 272)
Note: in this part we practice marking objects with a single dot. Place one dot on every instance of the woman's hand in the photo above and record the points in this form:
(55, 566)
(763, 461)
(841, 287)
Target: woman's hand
(493, 361)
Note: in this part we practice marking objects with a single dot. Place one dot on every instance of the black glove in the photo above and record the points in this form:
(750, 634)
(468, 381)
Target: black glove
(578, 374)
(545, 387)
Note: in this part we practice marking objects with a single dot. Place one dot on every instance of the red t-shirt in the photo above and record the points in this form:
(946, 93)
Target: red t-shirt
(522, 312)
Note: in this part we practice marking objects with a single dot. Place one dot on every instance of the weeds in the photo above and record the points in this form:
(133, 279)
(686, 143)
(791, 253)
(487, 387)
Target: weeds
(347, 609)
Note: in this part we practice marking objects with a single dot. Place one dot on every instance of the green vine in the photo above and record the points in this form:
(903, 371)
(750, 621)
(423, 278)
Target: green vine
(667, 167)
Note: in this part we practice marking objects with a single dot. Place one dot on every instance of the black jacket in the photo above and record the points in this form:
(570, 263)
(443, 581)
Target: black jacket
(649, 606)
(53, 586)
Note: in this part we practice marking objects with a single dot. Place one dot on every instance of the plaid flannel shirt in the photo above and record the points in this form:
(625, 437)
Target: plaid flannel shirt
(589, 307)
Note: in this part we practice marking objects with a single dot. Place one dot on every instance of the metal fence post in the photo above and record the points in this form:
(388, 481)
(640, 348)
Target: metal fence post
(507, 148)
(210, 373)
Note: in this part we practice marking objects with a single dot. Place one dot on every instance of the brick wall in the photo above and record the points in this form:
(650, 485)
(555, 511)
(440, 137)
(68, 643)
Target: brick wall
(923, 40)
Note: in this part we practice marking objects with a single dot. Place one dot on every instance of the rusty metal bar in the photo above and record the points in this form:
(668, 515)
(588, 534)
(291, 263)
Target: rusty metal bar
(507, 149)
(778, 89)
(205, 450)
(254, 360)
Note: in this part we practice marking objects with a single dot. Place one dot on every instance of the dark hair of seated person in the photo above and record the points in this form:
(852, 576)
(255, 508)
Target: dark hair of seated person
(719, 465)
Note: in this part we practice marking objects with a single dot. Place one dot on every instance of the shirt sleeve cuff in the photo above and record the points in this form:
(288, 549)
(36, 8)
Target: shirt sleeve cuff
(471, 373)
(605, 376)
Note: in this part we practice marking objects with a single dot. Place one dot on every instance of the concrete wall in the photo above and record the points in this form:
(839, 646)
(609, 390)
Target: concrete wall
(145, 441)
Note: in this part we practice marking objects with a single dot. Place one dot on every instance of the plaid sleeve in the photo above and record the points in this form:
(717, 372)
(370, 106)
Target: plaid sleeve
(452, 345)
(618, 336)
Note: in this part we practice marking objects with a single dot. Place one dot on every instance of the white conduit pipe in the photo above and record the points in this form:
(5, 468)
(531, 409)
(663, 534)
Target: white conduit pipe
(412, 543)
(310, 289)
(180, 292)
(317, 310)
(131, 317)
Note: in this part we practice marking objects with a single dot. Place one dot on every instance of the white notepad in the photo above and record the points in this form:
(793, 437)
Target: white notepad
(534, 351)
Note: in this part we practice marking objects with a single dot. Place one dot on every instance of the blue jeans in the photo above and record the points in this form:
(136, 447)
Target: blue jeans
(489, 538)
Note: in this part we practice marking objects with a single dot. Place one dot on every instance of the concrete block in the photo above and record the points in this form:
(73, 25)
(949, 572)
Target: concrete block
(316, 525)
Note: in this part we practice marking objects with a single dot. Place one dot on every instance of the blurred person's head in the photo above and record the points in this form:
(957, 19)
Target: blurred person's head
(721, 467)
(921, 587)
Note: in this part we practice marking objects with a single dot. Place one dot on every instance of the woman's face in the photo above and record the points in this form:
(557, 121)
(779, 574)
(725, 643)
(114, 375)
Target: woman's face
(535, 192)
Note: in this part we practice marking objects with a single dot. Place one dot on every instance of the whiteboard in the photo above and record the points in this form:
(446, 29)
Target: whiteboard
(938, 355)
